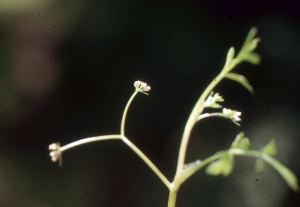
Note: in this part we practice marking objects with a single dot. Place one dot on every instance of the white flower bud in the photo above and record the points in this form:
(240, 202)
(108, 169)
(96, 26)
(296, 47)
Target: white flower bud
(55, 153)
(232, 114)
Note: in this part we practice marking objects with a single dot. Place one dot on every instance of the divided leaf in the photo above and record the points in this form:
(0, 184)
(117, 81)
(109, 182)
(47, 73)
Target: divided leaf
(251, 34)
(253, 58)
(250, 43)
(241, 142)
(222, 166)
(270, 148)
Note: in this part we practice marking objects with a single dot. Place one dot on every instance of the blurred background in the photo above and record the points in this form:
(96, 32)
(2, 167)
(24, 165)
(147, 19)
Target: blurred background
(67, 69)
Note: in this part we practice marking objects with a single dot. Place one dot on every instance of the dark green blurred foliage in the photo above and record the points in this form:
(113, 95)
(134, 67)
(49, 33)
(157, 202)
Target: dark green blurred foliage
(67, 69)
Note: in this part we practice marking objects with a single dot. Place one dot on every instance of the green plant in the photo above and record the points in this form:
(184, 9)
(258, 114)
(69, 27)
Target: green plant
(220, 163)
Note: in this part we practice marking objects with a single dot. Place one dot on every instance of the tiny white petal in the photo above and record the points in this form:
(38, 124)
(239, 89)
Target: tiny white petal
(53, 146)
(226, 111)
(137, 84)
(54, 156)
(232, 114)
(147, 88)
(236, 116)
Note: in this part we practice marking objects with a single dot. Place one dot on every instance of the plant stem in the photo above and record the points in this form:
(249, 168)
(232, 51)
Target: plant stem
(147, 161)
(125, 112)
(172, 198)
(90, 139)
(206, 115)
(129, 143)
(197, 110)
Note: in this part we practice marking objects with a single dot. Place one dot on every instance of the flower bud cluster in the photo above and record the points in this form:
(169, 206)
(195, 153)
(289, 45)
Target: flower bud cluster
(55, 152)
(141, 86)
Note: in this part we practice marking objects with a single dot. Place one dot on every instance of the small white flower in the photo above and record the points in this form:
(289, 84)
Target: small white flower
(54, 156)
(236, 115)
(53, 146)
(141, 86)
(55, 153)
(232, 114)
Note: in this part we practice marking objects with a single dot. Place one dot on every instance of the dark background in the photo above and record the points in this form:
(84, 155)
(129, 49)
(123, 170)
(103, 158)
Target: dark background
(67, 69)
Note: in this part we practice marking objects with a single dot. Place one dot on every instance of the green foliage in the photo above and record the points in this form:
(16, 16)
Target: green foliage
(270, 148)
(241, 142)
(241, 80)
(222, 166)
(240, 147)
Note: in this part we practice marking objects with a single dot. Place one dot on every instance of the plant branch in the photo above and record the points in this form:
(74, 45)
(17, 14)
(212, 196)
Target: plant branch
(89, 140)
(147, 161)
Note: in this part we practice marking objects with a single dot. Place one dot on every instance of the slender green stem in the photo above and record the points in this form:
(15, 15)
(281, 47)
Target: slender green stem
(206, 115)
(241, 152)
(172, 198)
(147, 161)
(90, 139)
(129, 143)
(125, 112)
(198, 108)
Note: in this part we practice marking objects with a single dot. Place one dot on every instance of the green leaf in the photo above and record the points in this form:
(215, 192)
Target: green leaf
(253, 44)
(250, 43)
(259, 165)
(253, 58)
(215, 168)
(270, 148)
(230, 55)
(229, 58)
(251, 34)
(241, 142)
(222, 166)
(240, 79)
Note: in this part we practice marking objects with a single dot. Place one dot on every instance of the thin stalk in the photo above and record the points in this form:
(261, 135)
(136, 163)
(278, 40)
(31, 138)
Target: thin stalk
(198, 108)
(129, 143)
(125, 112)
(203, 163)
(147, 161)
(172, 198)
(206, 115)
(90, 139)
